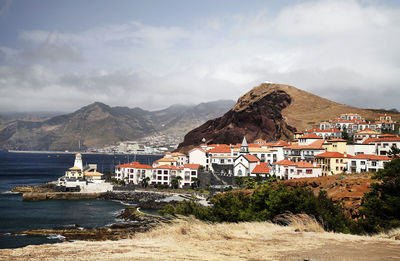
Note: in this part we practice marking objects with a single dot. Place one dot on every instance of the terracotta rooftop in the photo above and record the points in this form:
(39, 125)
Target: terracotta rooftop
(261, 168)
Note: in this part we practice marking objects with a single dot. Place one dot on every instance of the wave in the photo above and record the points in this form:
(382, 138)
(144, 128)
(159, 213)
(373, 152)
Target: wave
(124, 203)
(55, 236)
(8, 192)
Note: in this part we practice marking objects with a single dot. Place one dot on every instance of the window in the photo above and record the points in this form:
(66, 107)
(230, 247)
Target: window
(222, 161)
(165, 177)
(131, 176)
(165, 172)
(194, 173)
(131, 170)
(337, 168)
(374, 163)
(240, 172)
(362, 162)
(308, 171)
(159, 172)
(341, 160)
(337, 160)
(299, 172)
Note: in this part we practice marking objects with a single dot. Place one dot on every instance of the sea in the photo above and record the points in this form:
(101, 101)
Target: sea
(17, 169)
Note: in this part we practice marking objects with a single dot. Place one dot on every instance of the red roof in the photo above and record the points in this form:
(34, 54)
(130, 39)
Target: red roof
(223, 148)
(371, 157)
(310, 136)
(251, 158)
(316, 145)
(315, 129)
(387, 136)
(135, 165)
(279, 143)
(336, 140)
(374, 140)
(192, 166)
(330, 154)
(305, 164)
(168, 167)
(285, 163)
(261, 168)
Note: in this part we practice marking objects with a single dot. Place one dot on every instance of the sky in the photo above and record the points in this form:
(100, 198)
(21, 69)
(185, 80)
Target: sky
(58, 55)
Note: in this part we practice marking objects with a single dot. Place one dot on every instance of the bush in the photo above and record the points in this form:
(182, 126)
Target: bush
(266, 203)
(380, 208)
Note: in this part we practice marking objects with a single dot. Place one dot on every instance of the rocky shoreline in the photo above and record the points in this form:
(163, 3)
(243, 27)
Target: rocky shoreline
(135, 222)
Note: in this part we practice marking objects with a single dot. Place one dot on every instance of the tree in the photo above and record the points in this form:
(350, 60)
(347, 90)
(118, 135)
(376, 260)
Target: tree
(394, 152)
(238, 181)
(145, 182)
(175, 182)
(381, 206)
(195, 182)
(108, 176)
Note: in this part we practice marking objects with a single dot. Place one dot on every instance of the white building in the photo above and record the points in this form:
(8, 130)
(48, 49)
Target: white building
(244, 165)
(286, 169)
(366, 162)
(355, 149)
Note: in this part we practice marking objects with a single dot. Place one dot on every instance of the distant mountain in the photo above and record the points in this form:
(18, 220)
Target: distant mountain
(98, 124)
(270, 112)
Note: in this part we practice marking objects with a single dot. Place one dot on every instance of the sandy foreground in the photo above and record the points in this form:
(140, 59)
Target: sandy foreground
(195, 240)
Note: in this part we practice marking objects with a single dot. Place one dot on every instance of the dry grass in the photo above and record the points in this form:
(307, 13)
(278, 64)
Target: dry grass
(190, 239)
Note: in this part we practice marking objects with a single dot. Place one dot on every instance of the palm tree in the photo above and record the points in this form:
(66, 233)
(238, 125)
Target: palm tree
(196, 182)
(145, 182)
(175, 182)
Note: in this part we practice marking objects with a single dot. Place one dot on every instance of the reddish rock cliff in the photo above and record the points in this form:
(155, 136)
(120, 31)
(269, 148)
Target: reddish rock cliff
(257, 114)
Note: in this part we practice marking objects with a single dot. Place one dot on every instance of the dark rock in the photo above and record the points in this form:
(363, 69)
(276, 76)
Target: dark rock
(254, 115)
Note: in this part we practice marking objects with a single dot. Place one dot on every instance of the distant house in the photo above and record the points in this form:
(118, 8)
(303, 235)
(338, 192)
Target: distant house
(332, 162)
(286, 169)
(366, 162)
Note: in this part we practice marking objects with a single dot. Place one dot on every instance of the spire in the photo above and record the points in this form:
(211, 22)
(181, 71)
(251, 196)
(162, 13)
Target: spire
(244, 148)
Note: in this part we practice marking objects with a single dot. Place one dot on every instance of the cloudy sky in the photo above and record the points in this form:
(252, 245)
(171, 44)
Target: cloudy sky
(60, 55)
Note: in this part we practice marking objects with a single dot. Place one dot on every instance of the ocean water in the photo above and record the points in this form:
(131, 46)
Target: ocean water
(18, 169)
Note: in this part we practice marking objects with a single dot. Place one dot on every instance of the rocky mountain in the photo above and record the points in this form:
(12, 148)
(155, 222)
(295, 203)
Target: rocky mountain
(98, 124)
(271, 112)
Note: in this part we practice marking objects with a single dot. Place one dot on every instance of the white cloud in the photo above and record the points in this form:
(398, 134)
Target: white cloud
(343, 50)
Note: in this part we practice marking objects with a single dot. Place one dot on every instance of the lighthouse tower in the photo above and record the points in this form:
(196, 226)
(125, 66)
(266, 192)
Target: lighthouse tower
(78, 161)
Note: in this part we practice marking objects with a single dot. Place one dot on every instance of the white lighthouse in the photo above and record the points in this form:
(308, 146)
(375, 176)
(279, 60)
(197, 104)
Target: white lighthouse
(78, 161)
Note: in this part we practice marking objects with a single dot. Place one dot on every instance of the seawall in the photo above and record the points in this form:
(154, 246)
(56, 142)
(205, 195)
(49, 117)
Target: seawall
(36, 196)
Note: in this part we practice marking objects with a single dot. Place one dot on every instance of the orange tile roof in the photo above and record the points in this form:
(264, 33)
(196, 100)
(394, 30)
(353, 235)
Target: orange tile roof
(135, 164)
(168, 167)
(261, 168)
(192, 166)
(316, 145)
(371, 157)
(305, 164)
(310, 136)
(285, 163)
(251, 158)
(337, 140)
(330, 154)
(221, 149)
(373, 140)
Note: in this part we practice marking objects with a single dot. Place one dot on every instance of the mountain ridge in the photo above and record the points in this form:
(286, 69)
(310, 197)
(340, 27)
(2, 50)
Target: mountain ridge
(271, 111)
(98, 124)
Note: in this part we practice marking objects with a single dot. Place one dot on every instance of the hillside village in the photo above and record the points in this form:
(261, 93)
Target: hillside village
(319, 151)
